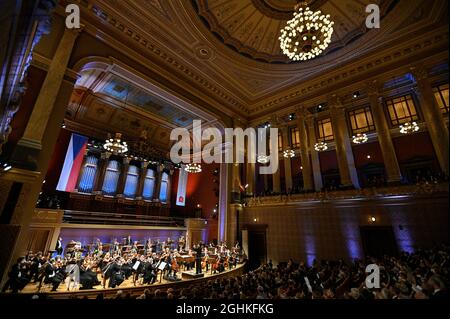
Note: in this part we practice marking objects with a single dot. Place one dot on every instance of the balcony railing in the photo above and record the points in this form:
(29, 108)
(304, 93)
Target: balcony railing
(420, 189)
(101, 218)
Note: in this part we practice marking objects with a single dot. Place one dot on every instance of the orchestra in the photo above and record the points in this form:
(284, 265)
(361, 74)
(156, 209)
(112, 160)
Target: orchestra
(109, 265)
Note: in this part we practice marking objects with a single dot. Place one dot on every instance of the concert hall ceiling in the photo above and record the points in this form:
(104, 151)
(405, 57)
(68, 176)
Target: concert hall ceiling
(223, 55)
(252, 27)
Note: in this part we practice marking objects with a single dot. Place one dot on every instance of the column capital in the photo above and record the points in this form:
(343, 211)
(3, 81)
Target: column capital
(419, 72)
(274, 120)
(126, 160)
(105, 155)
(373, 87)
(334, 101)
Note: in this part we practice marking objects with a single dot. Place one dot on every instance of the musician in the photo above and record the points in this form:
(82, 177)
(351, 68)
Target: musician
(149, 270)
(117, 275)
(17, 277)
(35, 267)
(174, 263)
(54, 274)
(116, 247)
(181, 243)
(128, 241)
(72, 273)
(205, 263)
(58, 247)
(88, 278)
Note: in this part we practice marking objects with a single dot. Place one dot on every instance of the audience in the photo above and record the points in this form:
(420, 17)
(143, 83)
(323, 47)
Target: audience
(419, 275)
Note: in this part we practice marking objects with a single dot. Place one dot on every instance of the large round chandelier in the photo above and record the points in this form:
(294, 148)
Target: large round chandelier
(307, 34)
(115, 145)
(288, 153)
(193, 168)
(408, 128)
(360, 138)
(320, 146)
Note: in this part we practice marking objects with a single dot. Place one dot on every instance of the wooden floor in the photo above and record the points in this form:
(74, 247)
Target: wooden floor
(33, 287)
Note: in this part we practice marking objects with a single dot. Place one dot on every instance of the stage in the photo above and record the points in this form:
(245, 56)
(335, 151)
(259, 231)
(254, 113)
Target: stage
(128, 287)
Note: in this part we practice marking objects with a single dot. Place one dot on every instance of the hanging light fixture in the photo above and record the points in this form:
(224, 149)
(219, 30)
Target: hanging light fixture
(320, 146)
(409, 128)
(193, 168)
(288, 153)
(307, 34)
(115, 145)
(360, 138)
(263, 159)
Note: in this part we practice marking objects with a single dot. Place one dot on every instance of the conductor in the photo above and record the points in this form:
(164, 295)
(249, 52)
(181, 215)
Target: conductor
(198, 258)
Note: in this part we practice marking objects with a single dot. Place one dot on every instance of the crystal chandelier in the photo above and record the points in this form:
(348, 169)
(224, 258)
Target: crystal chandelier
(360, 138)
(307, 34)
(288, 153)
(262, 159)
(320, 146)
(193, 168)
(115, 145)
(408, 128)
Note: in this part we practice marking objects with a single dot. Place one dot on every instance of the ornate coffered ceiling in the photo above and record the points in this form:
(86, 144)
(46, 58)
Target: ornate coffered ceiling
(105, 100)
(176, 45)
(252, 27)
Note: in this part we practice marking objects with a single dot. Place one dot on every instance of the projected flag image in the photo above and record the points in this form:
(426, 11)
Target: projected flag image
(72, 163)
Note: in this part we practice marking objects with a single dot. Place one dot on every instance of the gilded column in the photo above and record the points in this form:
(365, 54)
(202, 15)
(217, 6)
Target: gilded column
(140, 188)
(393, 173)
(276, 180)
(315, 162)
(159, 171)
(304, 156)
(103, 165)
(250, 179)
(344, 154)
(123, 177)
(32, 138)
(235, 170)
(433, 117)
(287, 160)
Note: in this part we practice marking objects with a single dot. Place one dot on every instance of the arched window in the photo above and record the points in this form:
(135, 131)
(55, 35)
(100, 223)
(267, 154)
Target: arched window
(164, 187)
(111, 178)
(131, 182)
(149, 184)
(88, 171)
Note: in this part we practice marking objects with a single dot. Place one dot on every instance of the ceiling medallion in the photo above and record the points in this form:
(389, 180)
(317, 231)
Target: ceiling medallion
(288, 153)
(320, 146)
(360, 138)
(115, 145)
(193, 168)
(408, 128)
(307, 34)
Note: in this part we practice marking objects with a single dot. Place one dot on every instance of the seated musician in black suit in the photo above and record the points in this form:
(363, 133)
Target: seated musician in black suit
(35, 269)
(117, 274)
(53, 274)
(18, 276)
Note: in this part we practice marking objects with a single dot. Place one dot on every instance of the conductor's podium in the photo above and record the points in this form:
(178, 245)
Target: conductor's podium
(187, 275)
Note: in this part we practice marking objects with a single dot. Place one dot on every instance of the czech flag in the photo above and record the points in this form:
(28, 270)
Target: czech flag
(72, 164)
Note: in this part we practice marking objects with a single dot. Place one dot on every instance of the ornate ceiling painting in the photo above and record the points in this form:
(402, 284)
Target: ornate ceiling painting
(223, 56)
